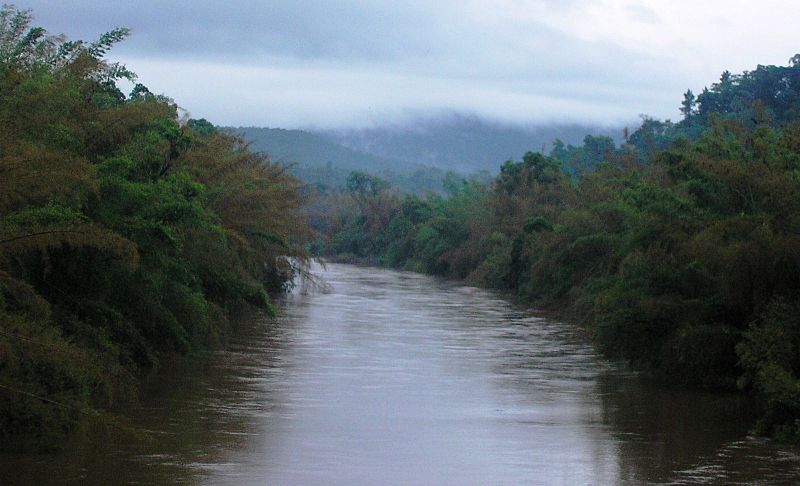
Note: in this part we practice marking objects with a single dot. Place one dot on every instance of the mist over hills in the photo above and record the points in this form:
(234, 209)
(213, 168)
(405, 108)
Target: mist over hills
(307, 149)
(464, 144)
(319, 160)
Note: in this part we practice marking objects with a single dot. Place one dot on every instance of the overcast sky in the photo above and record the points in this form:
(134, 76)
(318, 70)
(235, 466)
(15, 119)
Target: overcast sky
(328, 64)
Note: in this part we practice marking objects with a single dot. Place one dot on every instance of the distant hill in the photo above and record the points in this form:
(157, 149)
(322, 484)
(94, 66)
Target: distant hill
(307, 149)
(413, 157)
(317, 159)
(463, 143)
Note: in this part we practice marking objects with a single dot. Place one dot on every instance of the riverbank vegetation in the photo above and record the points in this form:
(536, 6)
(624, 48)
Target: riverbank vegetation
(127, 234)
(679, 249)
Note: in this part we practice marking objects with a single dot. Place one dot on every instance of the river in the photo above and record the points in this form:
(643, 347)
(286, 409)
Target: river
(398, 378)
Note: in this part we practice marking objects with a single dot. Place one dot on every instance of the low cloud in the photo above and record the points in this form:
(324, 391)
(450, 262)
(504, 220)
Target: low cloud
(345, 63)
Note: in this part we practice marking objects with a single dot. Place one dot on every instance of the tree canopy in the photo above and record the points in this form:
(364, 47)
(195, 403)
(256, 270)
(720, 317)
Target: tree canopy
(127, 234)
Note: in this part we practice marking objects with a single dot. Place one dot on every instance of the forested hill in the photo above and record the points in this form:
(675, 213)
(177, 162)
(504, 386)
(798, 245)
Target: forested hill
(465, 144)
(461, 144)
(308, 149)
(679, 249)
(319, 161)
(416, 157)
(126, 236)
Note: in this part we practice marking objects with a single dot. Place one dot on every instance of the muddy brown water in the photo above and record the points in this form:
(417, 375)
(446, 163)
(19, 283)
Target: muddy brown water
(398, 378)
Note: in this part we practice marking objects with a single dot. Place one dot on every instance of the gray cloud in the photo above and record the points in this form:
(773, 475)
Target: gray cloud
(322, 62)
(306, 29)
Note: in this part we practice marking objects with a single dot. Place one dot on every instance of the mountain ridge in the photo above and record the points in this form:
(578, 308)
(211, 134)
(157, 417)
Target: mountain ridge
(459, 143)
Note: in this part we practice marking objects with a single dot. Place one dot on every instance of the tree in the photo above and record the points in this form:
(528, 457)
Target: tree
(362, 185)
(688, 105)
(125, 236)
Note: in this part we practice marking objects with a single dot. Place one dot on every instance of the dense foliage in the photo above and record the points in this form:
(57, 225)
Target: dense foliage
(679, 250)
(421, 180)
(126, 235)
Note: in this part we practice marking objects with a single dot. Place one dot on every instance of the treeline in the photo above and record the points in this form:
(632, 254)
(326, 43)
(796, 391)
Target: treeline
(127, 235)
(678, 250)
(420, 180)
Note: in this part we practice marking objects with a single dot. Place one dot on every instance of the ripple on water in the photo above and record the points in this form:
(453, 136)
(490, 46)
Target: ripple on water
(398, 378)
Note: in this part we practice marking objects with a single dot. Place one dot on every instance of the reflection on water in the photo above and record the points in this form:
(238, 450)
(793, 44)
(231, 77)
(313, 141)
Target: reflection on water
(397, 378)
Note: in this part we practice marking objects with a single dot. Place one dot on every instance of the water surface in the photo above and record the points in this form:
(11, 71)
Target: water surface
(398, 378)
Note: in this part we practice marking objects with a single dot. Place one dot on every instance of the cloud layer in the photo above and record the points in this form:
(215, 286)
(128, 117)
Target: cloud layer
(348, 63)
